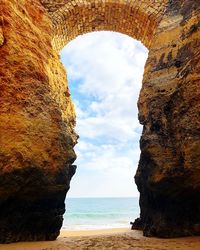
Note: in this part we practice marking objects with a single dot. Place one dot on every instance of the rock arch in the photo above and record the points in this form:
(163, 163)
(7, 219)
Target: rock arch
(37, 117)
(137, 19)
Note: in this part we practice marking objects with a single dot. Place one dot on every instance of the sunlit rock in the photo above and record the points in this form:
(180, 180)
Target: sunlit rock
(37, 116)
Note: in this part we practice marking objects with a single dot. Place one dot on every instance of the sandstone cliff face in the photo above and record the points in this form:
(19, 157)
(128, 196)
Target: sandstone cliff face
(168, 176)
(36, 126)
(37, 123)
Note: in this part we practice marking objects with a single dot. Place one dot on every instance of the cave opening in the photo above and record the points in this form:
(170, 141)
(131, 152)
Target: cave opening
(104, 71)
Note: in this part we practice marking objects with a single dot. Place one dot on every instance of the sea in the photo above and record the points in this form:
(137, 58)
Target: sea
(100, 213)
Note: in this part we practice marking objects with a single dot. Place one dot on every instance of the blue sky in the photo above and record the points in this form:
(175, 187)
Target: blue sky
(104, 71)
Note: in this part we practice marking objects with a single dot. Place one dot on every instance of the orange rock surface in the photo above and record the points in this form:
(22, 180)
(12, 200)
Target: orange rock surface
(168, 176)
(36, 126)
(37, 117)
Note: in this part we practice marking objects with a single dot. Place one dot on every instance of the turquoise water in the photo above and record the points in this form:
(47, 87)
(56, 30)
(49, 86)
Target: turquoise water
(100, 213)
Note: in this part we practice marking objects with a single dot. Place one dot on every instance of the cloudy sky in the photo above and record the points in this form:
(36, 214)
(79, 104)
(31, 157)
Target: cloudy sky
(105, 73)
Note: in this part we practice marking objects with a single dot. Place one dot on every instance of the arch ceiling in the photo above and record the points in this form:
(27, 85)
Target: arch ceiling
(136, 18)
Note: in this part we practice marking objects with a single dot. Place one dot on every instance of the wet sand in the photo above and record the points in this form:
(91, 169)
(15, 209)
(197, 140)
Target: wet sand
(115, 239)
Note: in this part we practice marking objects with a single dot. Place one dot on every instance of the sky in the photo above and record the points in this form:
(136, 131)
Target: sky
(104, 71)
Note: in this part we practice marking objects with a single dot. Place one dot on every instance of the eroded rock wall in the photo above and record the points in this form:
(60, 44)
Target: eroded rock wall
(168, 176)
(37, 123)
(36, 126)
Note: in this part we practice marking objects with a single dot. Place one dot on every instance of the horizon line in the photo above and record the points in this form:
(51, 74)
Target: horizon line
(78, 197)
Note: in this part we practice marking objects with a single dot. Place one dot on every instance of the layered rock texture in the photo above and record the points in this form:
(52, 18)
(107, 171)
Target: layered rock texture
(36, 126)
(168, 176)
(37, 116)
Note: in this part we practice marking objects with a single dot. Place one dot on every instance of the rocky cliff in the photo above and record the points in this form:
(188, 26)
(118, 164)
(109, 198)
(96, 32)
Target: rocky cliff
(37, 121)
(168, 176)
(36, 126)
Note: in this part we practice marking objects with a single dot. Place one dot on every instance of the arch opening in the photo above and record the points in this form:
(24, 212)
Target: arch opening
(137, 19)
(105, 72)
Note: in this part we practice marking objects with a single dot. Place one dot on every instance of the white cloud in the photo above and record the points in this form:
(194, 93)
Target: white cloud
(107, 69)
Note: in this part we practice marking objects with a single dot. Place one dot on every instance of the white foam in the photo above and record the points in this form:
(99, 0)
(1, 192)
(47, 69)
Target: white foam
(94, 227)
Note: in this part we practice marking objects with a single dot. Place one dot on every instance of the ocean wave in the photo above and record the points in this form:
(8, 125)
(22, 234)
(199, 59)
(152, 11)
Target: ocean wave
(95, 227)
(89, 214)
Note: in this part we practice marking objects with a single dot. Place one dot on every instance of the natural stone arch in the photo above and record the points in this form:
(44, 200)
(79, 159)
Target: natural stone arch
(37, 116)
(137, 19)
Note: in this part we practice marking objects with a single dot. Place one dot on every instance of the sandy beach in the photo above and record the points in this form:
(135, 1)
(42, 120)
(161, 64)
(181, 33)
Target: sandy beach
(115, 239)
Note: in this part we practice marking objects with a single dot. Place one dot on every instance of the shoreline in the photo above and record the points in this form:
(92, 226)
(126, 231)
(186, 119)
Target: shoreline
(115, 238)
(94, 232)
